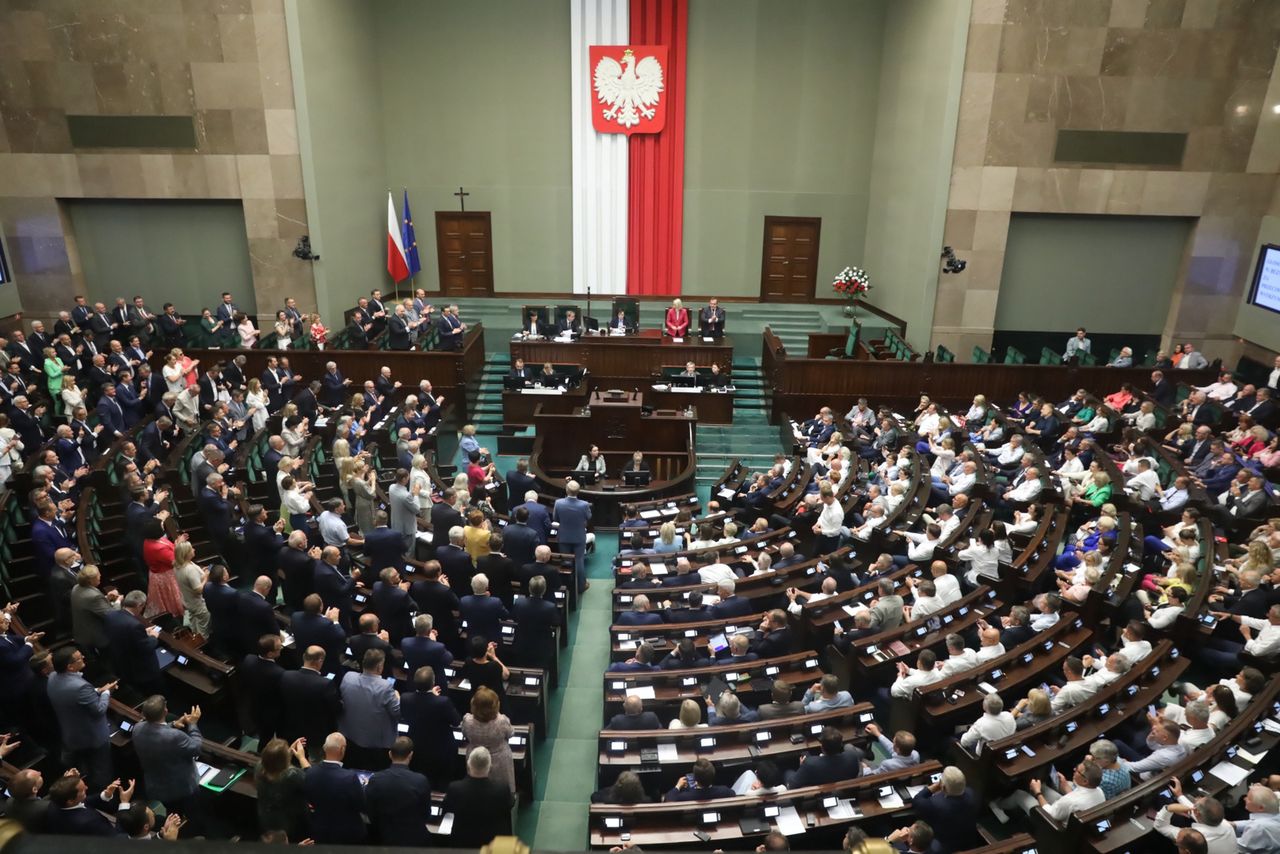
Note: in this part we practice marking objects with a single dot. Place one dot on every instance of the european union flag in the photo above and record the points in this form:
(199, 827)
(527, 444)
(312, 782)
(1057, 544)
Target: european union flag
(410, 241)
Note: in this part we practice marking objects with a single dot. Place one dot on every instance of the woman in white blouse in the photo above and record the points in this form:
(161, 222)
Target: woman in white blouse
(983, 558)
(1025, 521)
(247, 331)
(690, 716)
(283, 330)
(944, 454)
(257, 403)
(72, 396)
(174, 373)
(418, 475)
(294, 435)
(10, 449)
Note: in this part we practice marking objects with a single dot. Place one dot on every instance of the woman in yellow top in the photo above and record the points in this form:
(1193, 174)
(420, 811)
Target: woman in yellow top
(475, 535)
(53, 371)
(1184, 576)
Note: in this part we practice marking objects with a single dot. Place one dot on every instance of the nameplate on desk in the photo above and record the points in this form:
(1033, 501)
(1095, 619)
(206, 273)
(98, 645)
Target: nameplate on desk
(677, 340)
(543, 391)
(684, 389)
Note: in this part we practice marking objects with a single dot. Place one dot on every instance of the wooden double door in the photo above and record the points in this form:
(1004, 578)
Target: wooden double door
(464, 245)
(789, 270)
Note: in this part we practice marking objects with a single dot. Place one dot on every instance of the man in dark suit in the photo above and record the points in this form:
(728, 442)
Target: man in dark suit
(454, 560)
(711, 320)
(836, 763)
(730, 604)
(519, 481)
(111, 413)
(541, 567)
(309, 702)
(435, 597)
(450, 330)
(444, 517)
(390, 601)
(482, 611)
(260, 677)
(169, 325)
(633, 716)
(519, 540)
(520, 372)
(130, 404)
(335, 796)
(481, 807)
(262, 545)
(951, 809)
(398, 799)
(74, 812)
(569, 323)
(295, 563)
(334, 386)
(254, 615)
(383, 547)
(335, 587)
(539, 517)
(695, 611)
(214, 502)
(774, 638)
(371, 636)
(639, 615)
(536, 620)
(703, 788)
(154, 442)
(425, 650)
(1015, 628)
(357, 331)
(132, 645)
(430, 717)
(167, 753)
(314, 626)
(221, 600)
(398, 331)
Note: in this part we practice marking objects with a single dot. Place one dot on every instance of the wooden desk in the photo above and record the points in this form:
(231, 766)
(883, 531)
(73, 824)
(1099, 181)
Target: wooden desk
(712, 407)
(518, 405)
(629, 360)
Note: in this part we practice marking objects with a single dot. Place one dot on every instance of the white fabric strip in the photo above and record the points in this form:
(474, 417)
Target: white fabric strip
(600, 164)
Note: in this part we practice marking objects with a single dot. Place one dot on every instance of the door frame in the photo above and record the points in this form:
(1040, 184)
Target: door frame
(764, 251)
(440, 264)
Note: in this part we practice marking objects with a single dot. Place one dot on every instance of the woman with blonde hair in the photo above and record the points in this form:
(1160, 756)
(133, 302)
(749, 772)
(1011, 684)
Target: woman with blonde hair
(676, 322)
(485, 726)
(191, 581)
(257, 402)
(364, 492)
(346, 467)
(690, 716)
(1032, 709)
(72, 396)
(418, 474)
(668, 540)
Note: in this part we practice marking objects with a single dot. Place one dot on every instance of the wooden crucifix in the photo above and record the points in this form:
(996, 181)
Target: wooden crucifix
(462, 198)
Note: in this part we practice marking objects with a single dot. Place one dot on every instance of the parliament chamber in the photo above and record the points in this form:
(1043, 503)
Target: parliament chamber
(822, 426)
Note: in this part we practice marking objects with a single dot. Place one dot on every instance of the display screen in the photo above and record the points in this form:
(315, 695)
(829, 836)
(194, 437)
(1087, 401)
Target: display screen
(1266, 279)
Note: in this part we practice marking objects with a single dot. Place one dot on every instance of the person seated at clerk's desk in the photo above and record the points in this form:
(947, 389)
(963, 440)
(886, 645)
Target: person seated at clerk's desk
(593, 460)
(533, 327)
(711, 320)
(620, 325)
(520, 372)
(690, 371)
(570, 324)
(637, 463)
(676, 323)
(549, 377)
(715, 379)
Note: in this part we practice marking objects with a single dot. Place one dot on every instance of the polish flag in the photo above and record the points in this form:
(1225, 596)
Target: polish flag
(397, 263)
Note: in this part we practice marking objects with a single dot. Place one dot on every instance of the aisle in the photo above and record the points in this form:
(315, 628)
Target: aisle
(566, 761)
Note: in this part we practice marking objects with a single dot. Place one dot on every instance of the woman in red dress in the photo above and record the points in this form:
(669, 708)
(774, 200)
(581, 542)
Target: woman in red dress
(677, 322)
(163, 595)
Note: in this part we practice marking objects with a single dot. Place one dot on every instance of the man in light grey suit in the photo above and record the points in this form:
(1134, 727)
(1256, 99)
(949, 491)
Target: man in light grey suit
(573, 514)
(404, 509)
(1240, 502)
(89, 607)
(370, 712)
(167, 753)
(81, 710)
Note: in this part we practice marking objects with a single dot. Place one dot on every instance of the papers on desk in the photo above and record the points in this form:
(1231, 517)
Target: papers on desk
(627, 646)
(203, 768)
(844, 809)
(851, 611)
(668, 753)
(658, 569)
(726, 492)
(1229, 773)
(892, 802)
(286, 639)
(644, 692)
(446, 825)
(1271, 725)
(1251, 758)
(742, 785)
(321, 421)
(789, 821)
(650, 514)
(912, 791)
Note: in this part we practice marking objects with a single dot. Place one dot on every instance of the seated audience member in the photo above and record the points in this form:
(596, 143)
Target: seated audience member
(835, 763)
(634, 716)
(699, 785)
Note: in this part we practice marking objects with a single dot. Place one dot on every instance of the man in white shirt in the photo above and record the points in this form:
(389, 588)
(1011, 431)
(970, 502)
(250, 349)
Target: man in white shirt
(1086, 793)
(830, 525)
(946, 584)
(1175, 497)
(959, 657)
(1048, 606)
(1133, 647)
(715, 573)
(795, 596)
(1028, 489)
(994, 725)
(1223, 390)
(947, 520)
(1196, 730)
(1145, 484)
(924, 673)
(1076, 691)
(961, 484)
(926, 601)
(1206, 818)
(1262, 639)
(919, 546)
(990, 646)
(1111, 670)
(1010, 453)
(875, 519)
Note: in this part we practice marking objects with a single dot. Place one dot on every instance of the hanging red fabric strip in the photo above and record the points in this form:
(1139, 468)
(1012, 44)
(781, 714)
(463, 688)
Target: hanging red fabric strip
(656, 188)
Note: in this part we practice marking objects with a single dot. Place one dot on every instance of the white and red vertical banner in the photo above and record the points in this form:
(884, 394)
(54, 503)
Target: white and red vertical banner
(628, 144)
(600, 160)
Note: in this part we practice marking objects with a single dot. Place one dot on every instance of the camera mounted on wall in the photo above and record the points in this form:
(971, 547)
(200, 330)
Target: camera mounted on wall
(303, 250)
(951, 263)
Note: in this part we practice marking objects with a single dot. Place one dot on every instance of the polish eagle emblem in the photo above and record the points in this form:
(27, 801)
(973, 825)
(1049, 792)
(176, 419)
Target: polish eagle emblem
(629, 91)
